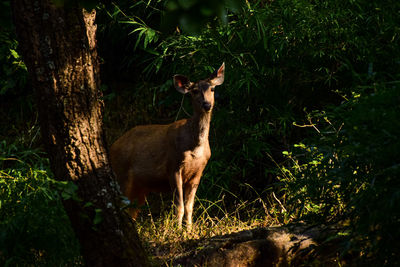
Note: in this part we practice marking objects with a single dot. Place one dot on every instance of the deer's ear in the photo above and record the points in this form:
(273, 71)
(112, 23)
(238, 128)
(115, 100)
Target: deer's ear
(217, 78)
(182, 83)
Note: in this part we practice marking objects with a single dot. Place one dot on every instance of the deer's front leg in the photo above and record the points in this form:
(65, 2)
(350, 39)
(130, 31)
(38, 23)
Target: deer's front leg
(190, 193)
(179, 197)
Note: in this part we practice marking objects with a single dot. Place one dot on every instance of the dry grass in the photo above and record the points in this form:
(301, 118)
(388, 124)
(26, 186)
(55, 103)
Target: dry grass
(164, 241)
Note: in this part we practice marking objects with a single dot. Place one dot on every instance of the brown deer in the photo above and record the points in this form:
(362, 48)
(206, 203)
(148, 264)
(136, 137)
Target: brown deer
(157, 158)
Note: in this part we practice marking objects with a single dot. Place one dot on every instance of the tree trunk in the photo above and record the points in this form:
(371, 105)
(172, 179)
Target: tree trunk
(59, 48)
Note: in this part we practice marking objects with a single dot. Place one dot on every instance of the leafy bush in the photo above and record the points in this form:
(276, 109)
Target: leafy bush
(13, 73)
(15, 96)
(351, 172)
(34, 229)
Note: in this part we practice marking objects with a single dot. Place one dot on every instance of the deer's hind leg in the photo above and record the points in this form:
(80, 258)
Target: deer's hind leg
(137, 196)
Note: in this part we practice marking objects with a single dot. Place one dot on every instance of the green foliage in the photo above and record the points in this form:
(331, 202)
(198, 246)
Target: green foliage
(327, 66)
(281, 57)
(15, 97)
(194, 15)
(34, 229)
(351, 172)
(14, 155)
(13, 70)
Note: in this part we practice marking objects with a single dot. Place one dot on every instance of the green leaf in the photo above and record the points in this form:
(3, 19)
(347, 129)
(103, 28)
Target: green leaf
(97, 217)
(14, 53)
(88, 204)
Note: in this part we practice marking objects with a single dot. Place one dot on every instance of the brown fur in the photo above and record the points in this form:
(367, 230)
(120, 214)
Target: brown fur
(157, 158)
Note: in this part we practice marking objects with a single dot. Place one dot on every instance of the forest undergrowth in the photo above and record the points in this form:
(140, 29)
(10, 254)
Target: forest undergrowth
(305, 127)
(36, 230)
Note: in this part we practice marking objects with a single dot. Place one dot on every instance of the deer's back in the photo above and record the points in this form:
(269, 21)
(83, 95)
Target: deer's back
(142, 153)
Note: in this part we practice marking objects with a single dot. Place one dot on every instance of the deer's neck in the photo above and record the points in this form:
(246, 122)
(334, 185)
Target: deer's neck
(200, 126)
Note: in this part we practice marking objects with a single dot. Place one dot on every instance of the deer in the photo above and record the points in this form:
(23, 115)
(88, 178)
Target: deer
(170, 157)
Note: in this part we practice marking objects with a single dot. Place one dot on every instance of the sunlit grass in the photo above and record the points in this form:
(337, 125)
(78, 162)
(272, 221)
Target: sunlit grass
(164, 240)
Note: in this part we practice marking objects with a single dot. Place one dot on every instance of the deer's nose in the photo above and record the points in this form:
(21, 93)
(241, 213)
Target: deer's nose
(206, 106)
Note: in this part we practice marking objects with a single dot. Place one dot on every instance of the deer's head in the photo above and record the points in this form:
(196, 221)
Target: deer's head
(202, 92)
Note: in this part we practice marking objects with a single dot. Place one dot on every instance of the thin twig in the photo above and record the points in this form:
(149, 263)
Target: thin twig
(280, 203)
(181, 108)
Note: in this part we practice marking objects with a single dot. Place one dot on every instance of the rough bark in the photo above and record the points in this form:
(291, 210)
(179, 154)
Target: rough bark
(59, 48)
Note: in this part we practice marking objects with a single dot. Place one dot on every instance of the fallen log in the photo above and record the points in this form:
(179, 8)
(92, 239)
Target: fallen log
(269, 246)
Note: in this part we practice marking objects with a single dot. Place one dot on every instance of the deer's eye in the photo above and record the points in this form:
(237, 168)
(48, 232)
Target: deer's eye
(212, 89)
(204, 86)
